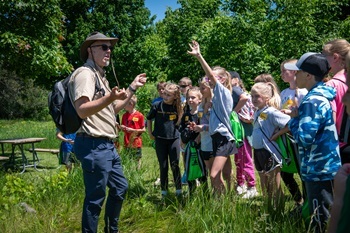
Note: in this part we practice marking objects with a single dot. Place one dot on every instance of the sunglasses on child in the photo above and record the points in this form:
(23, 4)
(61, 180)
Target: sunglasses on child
(103, 46)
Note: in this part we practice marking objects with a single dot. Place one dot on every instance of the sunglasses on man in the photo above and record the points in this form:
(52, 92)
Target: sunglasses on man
(103, 46)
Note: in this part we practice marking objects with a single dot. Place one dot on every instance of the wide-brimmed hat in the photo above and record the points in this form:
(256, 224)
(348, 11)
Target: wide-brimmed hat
(91, 38)
(313, 63)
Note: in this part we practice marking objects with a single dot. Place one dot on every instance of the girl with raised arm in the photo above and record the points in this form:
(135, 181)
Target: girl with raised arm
(219, 122)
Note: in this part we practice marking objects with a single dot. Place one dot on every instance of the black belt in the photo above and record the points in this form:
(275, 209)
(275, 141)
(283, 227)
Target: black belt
(85, 135)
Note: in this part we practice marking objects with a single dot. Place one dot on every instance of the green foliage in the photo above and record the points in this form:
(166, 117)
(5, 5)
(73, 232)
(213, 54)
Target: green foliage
(30, 37)
(14, 190)
(127, 19)
(25, 129)
(145, 95)
(21, 98)
(41, 40)
(57, 198)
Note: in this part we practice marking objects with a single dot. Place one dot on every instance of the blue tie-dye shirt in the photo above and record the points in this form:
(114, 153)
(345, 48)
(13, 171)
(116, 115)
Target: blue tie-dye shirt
(315, 132)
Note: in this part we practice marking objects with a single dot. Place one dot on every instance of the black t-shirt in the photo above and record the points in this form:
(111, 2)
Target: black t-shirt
(236, 93)
(165, 118)
(186, 133)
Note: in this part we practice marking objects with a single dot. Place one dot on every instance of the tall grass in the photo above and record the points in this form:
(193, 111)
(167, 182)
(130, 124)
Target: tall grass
(57, 198)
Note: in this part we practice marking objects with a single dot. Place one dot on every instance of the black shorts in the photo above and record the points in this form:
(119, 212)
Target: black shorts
(206, 155)
(264, 161)
(222, 146)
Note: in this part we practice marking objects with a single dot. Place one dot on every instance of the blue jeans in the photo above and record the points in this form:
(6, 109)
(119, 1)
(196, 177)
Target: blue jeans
(102, 168)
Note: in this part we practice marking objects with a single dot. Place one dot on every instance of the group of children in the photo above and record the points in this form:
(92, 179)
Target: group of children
(305, 109)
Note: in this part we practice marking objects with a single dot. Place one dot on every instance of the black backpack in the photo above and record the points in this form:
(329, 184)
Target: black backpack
(61, 108)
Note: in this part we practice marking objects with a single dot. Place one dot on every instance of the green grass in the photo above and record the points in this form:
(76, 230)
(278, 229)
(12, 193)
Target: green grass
(57, 198)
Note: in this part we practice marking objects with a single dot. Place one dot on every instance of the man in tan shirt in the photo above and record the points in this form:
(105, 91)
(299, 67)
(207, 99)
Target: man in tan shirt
(98, 105)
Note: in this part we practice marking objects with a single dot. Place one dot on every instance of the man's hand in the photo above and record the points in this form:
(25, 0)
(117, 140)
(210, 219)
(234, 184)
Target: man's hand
(139, 81)
(119, 94)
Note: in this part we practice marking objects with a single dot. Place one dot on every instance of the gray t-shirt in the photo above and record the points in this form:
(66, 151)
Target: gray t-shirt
(268, 119)
(219, 121)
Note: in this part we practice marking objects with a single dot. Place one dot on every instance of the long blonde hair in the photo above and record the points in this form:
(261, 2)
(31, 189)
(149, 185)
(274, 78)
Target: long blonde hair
(269, 91)
(175, 89)
(339, 46)
(204, 82)
(222, 72)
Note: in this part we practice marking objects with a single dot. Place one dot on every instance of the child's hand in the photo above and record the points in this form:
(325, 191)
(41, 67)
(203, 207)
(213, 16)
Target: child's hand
(70, 141)
(274, 137)
(293, 112)
(129, 130)
(195, 49)
(192, 126)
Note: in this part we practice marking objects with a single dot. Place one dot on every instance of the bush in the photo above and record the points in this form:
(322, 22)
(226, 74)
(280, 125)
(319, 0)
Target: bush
(145, 95)
(20, 98)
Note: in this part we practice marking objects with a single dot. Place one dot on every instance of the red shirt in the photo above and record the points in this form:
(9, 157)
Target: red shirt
(135, 121)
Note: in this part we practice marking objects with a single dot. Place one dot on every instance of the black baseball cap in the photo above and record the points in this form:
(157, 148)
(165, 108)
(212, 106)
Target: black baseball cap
(312, 63)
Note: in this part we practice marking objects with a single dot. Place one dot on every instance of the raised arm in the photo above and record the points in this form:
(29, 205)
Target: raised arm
(138, 82)
(195, 51)
(86, 108)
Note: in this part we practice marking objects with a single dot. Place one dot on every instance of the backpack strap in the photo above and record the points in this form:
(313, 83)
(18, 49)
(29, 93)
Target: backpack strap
(339, 80)
(97, 82)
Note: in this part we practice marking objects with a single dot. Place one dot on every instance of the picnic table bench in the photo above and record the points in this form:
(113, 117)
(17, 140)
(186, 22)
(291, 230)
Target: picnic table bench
(52, 151)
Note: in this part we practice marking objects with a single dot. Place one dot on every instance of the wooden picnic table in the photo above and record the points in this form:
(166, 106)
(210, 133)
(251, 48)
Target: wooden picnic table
(20, 142)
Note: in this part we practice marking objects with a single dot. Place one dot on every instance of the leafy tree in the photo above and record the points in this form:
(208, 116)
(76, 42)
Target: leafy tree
(180, 27)
(129, 20)
(30, 36)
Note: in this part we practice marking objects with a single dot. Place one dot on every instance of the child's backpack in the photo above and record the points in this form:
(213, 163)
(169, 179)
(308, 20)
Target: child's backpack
(237, 129)
(61, 107)
(247, 111)
(289, 150)
(194, 164)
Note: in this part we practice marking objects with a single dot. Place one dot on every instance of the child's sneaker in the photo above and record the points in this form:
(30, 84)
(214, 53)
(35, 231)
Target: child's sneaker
(164, 193)
(178, 192)
(251, 192)
(157, 182)
(241, 189)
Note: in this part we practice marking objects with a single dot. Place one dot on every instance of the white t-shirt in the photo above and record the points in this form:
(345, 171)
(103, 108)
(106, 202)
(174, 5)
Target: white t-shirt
(290, 97)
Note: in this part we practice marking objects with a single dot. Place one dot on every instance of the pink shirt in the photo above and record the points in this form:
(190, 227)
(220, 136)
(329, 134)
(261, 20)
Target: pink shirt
(339, 83)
